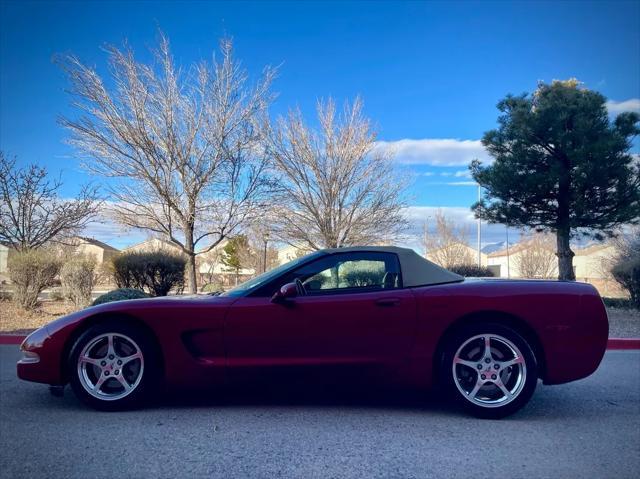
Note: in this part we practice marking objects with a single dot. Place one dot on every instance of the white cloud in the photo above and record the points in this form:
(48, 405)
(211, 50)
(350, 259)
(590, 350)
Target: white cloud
(428, 173)
(616, 107)
(462, 174)
(435, 152)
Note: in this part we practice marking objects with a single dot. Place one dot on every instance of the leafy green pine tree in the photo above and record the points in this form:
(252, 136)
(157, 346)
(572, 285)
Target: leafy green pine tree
(234, 254)
(561, 165)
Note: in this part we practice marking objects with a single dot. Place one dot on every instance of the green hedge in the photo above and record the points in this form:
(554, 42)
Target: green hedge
(120, 295)
(156, 272)
(472, 271)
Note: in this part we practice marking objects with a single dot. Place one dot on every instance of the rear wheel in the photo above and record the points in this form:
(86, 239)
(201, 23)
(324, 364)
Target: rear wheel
(490, 369)
(112, 366)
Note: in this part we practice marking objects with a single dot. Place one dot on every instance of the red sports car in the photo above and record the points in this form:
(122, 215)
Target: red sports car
(381, 310)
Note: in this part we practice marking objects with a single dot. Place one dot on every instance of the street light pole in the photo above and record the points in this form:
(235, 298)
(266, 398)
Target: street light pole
(479, 230)
(264, 256)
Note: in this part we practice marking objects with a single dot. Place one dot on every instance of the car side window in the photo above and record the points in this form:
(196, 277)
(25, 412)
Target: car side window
(349, 272)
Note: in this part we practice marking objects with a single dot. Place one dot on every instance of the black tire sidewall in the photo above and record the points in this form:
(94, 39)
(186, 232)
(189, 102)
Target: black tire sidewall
(468, 331)
(147, 384)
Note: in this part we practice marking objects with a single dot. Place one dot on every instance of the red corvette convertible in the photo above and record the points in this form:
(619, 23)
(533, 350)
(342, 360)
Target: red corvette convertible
(382, 310)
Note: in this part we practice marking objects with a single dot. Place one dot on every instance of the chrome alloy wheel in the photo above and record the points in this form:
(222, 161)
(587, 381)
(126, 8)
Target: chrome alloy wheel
(110, 366)
(489, 370)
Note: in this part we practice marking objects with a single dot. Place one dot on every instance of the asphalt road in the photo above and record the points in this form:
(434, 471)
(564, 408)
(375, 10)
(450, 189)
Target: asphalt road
(590, 429)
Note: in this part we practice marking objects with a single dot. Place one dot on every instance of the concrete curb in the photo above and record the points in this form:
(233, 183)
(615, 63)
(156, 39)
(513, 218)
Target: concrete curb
(612, 343)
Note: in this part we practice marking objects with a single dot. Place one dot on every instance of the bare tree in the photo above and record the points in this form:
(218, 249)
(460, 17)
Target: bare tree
(31, 212)
(535, 256)
(447, 245)
(182, 148)
(335, 189)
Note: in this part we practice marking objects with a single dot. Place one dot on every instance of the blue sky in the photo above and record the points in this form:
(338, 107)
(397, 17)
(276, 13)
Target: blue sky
(427, 71)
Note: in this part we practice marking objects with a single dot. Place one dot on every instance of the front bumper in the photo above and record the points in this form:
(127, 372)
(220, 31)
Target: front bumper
(40, 361)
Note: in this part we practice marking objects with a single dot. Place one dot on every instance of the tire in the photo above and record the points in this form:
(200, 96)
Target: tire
(119, 368)
(489, 386)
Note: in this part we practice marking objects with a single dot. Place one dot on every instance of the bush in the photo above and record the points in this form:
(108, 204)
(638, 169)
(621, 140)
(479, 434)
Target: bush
(471, 271)
(31, 272)
(212, 288)
(56, 295)
(77, 276)
(157, 272)
(622, 303)
(627, 272)
(120, 295)
(362, 278)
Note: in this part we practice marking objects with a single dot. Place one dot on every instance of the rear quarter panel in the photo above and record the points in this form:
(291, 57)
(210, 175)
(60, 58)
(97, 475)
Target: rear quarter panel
(568, 320)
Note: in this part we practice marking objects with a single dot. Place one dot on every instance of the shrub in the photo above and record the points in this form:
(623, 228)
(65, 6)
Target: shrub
(627, 272)
(212, 288)
(157, 272)
(77, 276)
(56, 295)
(622, 303)
(30, 272)
(362, 278)
(472, 271)
(120, 295)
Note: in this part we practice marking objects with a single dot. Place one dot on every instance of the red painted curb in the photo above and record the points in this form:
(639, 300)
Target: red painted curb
(623, 343)
(612, 343)
(11, 339)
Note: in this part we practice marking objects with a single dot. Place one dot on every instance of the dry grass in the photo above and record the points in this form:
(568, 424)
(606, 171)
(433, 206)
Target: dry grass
(15, 320)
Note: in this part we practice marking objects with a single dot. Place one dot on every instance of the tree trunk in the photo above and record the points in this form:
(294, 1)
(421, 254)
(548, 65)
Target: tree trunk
(191, 259)
(191, 273)
(565, 255)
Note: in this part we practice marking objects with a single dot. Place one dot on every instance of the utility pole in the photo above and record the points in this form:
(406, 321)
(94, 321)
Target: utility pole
(264, 256)
(508, 266)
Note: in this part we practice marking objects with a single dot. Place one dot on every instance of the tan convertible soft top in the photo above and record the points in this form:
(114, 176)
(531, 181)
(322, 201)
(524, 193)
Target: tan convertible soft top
(416, 270)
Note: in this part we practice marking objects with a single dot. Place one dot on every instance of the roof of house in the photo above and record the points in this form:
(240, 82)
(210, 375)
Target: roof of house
(97, 243)
(594, 248)
(589, 250)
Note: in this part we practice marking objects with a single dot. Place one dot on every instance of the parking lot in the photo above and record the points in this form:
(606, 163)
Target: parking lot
(590, 428)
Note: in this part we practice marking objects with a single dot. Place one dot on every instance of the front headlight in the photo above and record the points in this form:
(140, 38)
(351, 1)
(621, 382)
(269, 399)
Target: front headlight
(35, 340)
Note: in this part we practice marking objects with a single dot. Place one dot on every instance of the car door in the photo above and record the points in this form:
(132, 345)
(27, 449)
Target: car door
(355, 311)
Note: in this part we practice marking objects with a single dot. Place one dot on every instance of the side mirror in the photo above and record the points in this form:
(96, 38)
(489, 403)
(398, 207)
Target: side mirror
(286, 292)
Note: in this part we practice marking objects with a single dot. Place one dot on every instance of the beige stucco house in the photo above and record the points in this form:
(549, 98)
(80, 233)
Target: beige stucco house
(153, 244)
(102, 252)
(456, 250)
(590, 265)
(5, 251)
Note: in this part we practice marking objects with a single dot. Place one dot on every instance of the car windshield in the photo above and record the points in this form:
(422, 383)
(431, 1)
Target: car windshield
(264, 278)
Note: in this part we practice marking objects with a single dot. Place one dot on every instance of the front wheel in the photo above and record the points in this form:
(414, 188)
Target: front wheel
(490, 369)
(111, 366)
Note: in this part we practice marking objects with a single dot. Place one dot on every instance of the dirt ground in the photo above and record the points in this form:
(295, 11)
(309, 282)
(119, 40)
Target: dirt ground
(15, 320)
(623, 323)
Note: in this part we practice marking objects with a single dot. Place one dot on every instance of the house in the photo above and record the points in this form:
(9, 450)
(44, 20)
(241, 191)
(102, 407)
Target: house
(289, 253)
(153, 244)
(454, 253)
(102, 252)
(590, 264)
(6, 250)
(511, 261)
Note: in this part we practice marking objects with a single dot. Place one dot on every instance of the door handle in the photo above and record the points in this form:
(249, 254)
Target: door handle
(387, 301)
